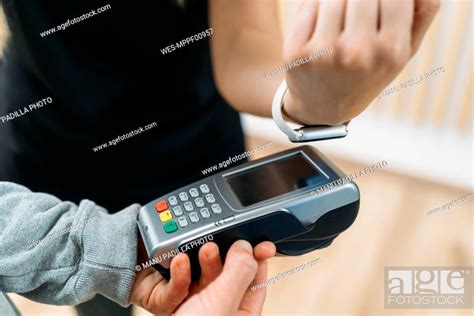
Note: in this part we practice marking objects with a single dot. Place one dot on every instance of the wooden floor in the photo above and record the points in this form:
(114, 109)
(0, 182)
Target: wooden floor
(392, 229)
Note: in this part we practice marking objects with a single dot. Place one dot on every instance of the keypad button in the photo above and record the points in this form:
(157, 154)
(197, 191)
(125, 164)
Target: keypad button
(177, 210)
(204, 188)
(170, 227)
(216, 208)
(188, 206)
(173, 200)
(183, 196)
(194, 192)
(165, 216)
(183, 222)
(205, 212)
(210, 198)
(194, 217)
(161, 206)
(199, 202)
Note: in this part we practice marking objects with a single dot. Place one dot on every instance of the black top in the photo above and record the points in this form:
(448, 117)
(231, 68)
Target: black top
(107, 77)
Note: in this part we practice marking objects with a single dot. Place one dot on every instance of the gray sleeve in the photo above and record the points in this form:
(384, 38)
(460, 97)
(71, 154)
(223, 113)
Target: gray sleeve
(7, 308)
(60, 253)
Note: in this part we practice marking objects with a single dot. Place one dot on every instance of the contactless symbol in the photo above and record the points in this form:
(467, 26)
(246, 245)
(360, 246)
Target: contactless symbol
(224, 220)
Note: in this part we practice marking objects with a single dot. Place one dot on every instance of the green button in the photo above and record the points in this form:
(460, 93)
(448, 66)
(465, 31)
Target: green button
(170, 227)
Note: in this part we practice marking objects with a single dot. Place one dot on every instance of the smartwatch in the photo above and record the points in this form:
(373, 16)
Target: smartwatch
(308, 133)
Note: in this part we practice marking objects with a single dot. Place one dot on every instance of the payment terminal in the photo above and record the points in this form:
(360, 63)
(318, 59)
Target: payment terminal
(274, 198)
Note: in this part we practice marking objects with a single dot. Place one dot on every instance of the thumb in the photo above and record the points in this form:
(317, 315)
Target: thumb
(240, 269)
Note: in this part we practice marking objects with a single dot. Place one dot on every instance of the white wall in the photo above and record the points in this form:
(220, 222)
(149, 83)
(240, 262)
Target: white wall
(436, 155)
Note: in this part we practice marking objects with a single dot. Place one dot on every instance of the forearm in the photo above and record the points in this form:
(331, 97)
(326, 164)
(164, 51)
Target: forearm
(60, 253)
(241, 77)
(246, 45)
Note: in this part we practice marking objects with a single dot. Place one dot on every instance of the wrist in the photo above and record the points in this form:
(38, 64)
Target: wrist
(291, 110)
(309, 112)
(294, 110)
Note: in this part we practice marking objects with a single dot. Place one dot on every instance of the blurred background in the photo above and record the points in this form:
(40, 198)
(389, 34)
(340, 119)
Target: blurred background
(425, 133)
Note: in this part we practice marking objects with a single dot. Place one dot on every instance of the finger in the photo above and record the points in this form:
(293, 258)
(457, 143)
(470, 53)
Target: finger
(425, 11)
(264, 250)
(330, 21)
(210, 262)
(361, 17)
(176, 290)
(303, 25)
(253, 300)
(240, 269)
(396, 17)
(394, 37)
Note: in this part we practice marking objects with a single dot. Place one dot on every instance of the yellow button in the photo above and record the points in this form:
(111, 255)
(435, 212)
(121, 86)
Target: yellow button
(165, 216)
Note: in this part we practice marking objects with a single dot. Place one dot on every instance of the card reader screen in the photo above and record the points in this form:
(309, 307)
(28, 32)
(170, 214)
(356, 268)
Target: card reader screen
(273, 179)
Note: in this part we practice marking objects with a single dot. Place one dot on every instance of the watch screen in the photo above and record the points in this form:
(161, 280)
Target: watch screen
(273, 179)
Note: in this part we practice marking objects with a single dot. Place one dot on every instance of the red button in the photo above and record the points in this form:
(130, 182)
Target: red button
(161, 206)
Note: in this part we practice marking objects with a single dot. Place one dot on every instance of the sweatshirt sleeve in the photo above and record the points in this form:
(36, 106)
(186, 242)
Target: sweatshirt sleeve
(56, 252)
